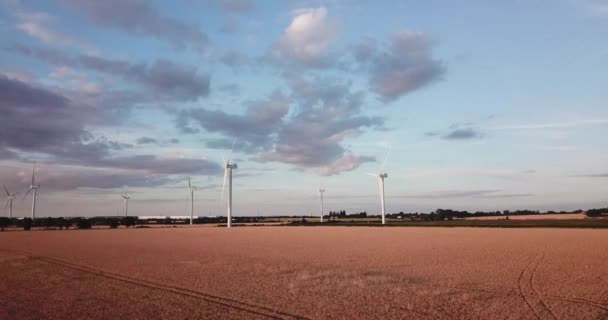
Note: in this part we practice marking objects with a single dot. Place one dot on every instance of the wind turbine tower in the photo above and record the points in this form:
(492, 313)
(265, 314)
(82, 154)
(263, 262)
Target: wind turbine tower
(228, 174)
(381, 176)
(126, 199)
(228, 167)
(34, 190)
(9, 201)
(191, 190)
(321, 191)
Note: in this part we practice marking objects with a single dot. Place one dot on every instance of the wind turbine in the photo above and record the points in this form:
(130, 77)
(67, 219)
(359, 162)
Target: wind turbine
(381, 176)
(228, 167)
(34, 189)
(191, 190)
(126, 198)
(321, 191)
(9, 201)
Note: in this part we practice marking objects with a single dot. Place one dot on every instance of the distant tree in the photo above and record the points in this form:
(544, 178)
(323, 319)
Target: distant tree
(4, 222)
(114, 223)
(596, 212)
(129, 221)
(27, 224)
(60, 222)
(48, 222)
(67, 223)
(83, 224)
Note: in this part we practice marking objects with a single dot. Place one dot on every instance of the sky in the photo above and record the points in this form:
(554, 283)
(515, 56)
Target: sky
(474, 105)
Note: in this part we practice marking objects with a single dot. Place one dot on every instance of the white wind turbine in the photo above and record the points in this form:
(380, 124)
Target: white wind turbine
(321, 191)
(125, 197)
(228, 167)
(191, 190)
(9, 201)
(34, 189)
(381, 176)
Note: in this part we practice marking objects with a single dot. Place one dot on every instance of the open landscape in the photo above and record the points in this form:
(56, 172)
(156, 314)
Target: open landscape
(305, 272)
(332, 159)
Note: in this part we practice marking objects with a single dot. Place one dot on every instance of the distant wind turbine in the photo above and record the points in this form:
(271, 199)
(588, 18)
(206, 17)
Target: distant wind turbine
(228, 167)
(191, 190)
(126, 198)
(381, 176)
(34, 189)
(321, 191)
(9, 201)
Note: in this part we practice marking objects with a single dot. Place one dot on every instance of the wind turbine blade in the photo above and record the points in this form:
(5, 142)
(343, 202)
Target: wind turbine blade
(189, 184)
(232, 149)
(388, 152)
(8, 194)
(33, 169)
(224, 184)
(28, 192)
(372, 174)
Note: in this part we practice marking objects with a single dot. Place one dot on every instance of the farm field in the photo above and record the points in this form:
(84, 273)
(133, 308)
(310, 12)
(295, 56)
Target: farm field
(561, 216)
(305, 272)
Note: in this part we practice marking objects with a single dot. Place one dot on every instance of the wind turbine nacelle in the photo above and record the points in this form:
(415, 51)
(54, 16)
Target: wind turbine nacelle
(383, 175)
(231, 166)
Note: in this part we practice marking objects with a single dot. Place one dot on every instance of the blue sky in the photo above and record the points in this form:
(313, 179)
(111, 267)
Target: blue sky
(480, 105)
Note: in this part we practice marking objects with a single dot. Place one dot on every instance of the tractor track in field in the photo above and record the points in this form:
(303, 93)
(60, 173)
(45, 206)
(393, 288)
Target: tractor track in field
(217, 300)
(531, 297)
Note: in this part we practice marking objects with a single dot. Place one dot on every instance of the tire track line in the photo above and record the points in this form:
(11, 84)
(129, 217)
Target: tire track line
(221, 301)
(538, 295)
(520, 282)
(586, 302)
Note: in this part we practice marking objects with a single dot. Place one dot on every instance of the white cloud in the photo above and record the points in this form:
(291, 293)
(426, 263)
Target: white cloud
(35, 24)
(344, 164)
(307, 38)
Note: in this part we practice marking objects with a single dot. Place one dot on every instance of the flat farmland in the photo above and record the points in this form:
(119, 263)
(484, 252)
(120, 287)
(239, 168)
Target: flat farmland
(305, 272)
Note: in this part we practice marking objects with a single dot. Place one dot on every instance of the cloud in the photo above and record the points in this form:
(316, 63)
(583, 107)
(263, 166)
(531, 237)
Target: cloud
(231, 89)
(595, 175)
(453, 194)
(233, 59)
(404, 65)
(36, 25)
(507, 195)
(252, 129)
(306, 40)
(67, 178)
(365, 50)
(138, 17)
(344, 164)
(329, 112)
(163, 78)
(308, 136)
(146, 140)
(153, 164)
(56, 127)
(484, 193)
(554, 125)
(462, 134)
(457, 131)
(238, 6)
(38, 120)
